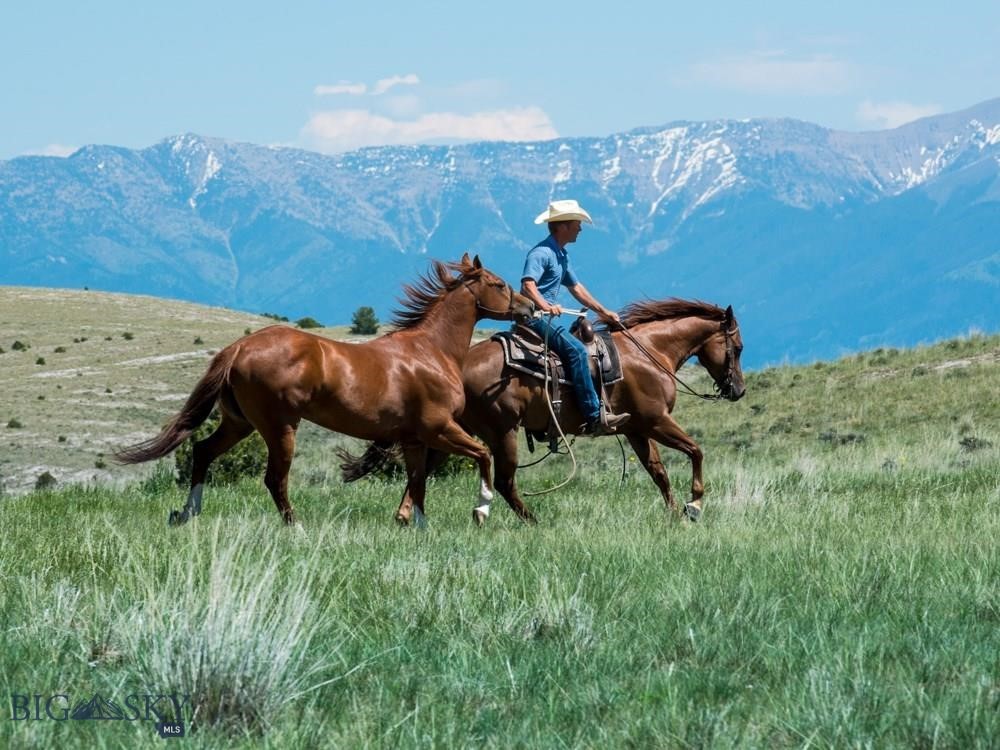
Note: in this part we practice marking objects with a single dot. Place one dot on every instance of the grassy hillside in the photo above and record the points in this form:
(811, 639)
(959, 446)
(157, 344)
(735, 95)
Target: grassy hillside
(101, 370)
(843, 589)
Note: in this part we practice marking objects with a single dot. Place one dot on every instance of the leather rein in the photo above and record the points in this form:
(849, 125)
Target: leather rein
(686, 389)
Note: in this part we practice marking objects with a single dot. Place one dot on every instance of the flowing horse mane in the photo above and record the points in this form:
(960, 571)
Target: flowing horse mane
(648, 311)
(420, 297)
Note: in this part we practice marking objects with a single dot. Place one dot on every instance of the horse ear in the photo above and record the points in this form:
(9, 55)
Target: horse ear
(476, 263)
(729, 314)
(465, 259)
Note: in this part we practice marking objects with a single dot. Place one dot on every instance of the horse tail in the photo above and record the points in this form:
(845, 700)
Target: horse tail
(196, 410)
(377, 455)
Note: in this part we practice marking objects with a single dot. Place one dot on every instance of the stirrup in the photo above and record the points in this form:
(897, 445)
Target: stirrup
(606, 424)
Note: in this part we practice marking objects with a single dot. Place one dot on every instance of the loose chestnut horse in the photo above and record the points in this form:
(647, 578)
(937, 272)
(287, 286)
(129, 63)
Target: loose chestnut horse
(404, 387)
(659, 337)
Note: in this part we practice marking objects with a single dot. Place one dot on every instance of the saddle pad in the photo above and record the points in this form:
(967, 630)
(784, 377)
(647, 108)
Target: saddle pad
(526, 356)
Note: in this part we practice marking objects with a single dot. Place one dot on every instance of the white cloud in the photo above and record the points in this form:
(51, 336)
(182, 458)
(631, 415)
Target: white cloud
(357, 89)
(343, 130)
(341, 87)
(384, 84)
(774, 72)
(53, 149)
(893, 114)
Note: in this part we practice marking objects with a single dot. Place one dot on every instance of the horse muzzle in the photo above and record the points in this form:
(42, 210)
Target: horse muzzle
(734, 391)
(522, 309)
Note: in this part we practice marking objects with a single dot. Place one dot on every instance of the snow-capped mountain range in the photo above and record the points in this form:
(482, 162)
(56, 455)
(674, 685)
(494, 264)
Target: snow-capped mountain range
(823, 241)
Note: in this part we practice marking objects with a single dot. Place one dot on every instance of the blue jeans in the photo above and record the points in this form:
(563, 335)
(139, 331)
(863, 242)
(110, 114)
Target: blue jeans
(574, 357)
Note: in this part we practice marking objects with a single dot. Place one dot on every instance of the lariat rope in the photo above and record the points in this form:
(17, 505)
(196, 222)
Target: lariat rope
(555, 419)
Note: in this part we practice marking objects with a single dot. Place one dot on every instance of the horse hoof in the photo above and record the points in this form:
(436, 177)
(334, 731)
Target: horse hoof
(692, 512)
(419, 519)
(176, 518)
(401, 520)
(479, 517)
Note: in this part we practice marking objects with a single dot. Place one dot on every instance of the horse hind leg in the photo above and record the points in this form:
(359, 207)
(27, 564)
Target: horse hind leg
(231, 430)
(280, 450)
(505, 469)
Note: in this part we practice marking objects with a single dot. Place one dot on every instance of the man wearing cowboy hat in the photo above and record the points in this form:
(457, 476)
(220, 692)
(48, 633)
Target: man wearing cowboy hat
(546, 268)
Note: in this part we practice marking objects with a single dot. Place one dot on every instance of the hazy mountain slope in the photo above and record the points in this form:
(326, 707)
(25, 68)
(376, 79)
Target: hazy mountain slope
(822, 240)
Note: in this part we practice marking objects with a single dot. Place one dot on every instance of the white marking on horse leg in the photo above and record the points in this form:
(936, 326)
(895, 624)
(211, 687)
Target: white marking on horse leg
(485, 496)
(419, 519)
(194, 499)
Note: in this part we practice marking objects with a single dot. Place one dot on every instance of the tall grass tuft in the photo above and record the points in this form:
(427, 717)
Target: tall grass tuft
(232, 623)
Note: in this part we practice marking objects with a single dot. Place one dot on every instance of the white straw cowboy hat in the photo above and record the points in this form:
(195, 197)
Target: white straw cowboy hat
(568, 210)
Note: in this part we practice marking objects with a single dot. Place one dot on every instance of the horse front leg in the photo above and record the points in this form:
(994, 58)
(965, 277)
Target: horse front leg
(649, 456)
(412, 504)
(670, 434)
(453, 439)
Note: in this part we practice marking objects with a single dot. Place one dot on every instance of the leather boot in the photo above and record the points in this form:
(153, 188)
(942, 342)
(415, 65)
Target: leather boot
(606, 424)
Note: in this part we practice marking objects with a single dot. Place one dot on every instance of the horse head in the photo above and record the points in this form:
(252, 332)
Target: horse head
(495, 299)
(720, 355)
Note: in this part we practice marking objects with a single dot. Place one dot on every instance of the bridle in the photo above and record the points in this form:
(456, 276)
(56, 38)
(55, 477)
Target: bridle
(722, 390)
(508, 313)
(727, 381)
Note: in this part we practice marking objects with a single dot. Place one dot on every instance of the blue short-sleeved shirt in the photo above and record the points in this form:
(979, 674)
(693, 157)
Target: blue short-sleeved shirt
(548, 266)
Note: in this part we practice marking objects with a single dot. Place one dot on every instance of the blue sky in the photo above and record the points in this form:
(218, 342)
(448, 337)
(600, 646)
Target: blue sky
(331, 76)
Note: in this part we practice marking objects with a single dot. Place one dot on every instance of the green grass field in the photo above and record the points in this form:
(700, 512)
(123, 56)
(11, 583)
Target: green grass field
(842, 589)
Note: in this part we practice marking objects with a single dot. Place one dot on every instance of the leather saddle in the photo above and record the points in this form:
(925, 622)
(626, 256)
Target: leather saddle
(524, 351)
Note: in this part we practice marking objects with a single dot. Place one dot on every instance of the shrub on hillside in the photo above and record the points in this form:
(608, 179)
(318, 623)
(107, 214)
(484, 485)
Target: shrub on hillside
(45, 481)
(308, 322)
(246, 459)
(14, 424)
(364, 322)
(20, 346)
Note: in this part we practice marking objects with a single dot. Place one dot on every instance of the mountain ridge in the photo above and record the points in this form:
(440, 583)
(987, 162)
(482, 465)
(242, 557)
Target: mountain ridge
(798, 226)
